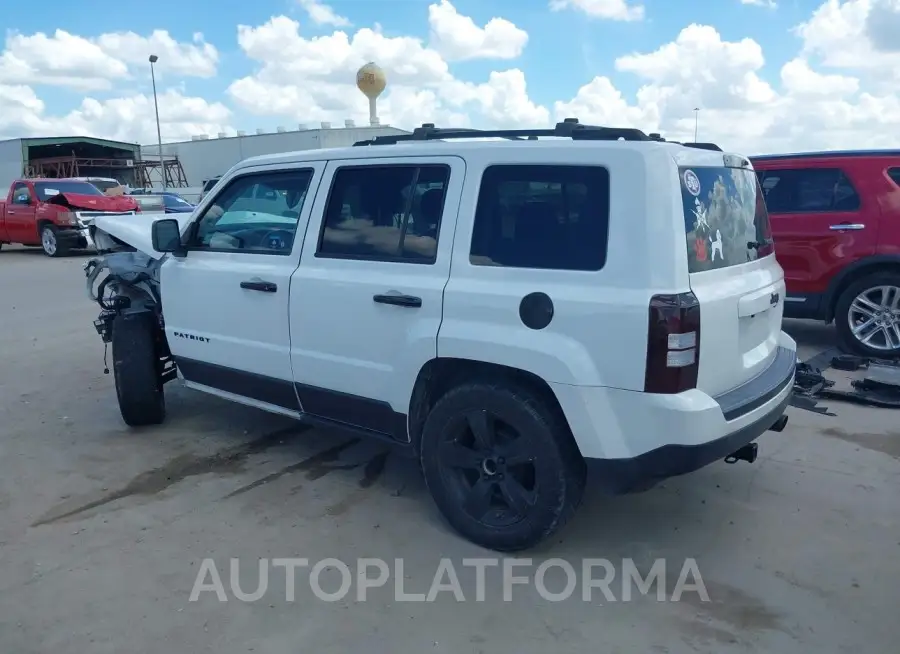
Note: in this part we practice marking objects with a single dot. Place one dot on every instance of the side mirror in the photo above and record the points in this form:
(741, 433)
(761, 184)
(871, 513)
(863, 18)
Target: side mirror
(166, 237)
(24, 198)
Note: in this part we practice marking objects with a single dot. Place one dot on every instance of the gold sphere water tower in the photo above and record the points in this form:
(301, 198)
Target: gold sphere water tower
(371, 80)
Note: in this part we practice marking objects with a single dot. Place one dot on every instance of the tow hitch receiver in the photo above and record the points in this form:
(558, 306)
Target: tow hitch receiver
(746, 453)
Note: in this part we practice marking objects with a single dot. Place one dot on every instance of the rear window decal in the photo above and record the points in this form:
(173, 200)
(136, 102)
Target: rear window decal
(716, 246)
(700, 250)
(702, 221)
(724, 215)
(692, 182)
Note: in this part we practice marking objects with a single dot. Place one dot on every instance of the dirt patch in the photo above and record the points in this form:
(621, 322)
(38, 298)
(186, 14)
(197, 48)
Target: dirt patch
(888, 443)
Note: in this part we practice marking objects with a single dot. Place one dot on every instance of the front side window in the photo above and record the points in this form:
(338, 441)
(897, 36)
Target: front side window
(385, 213)
(808, 190)
(544, 217)
(255, 213)
(21, 194)
(725, 217)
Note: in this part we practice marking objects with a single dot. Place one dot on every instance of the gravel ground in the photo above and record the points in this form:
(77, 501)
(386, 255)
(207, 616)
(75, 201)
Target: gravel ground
(104, 531)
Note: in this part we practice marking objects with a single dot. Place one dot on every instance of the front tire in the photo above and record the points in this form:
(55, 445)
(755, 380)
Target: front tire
(50, 242)
(501, 465)
(867, 316)
(139, 386)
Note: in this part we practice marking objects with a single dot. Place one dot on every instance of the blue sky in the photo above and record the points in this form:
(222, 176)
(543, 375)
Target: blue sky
(760, 81)
(565, 49)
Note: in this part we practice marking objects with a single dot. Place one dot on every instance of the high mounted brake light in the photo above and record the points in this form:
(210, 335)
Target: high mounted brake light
(673, 344)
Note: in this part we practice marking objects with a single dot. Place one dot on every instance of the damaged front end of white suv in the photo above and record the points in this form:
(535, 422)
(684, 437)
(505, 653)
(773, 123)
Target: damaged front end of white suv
(124, 281)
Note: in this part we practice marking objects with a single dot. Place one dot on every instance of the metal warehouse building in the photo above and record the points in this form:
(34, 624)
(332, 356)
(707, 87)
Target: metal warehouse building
(73, 156)
(190, 163)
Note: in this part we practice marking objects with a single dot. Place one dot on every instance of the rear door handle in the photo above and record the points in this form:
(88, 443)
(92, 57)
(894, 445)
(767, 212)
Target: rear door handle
(399, 300)
(847, 227)
(259, 285)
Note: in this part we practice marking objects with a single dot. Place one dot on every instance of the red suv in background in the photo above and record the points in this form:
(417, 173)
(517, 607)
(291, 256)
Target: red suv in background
(836, 223)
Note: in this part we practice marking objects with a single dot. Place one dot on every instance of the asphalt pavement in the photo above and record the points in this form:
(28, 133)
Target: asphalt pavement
(105, 532)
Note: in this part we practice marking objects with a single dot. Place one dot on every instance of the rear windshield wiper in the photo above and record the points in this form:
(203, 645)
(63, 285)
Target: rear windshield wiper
(757, 245)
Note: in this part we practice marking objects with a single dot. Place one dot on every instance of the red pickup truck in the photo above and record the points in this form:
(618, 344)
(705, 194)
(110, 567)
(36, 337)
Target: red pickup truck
(55, 213)
(836, 223)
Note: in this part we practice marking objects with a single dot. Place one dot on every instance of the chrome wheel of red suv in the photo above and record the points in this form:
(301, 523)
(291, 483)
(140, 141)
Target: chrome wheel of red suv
(869, 316)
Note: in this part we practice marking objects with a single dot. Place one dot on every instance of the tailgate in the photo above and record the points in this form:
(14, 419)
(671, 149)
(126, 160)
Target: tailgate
(740, 323)
(733, 274)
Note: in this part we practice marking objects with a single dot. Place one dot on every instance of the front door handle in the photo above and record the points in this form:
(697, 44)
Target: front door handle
(847, 227)
(399, 300)
(259, 285)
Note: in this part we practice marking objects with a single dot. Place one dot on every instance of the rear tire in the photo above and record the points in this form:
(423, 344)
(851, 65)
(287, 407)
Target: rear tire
(501, 465)
(858, 303)
(139, 387)
(50, 242)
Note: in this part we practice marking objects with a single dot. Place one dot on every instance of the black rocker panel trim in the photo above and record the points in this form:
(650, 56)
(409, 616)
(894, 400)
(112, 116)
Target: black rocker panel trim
(341, 409)
(278, 392)
(345, 408)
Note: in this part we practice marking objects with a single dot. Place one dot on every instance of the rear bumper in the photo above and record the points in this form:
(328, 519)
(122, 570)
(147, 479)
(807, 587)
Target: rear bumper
(644, 470)
(633, 439)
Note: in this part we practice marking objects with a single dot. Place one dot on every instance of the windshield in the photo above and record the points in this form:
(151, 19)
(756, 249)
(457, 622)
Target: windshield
(46, 190)
(725, 217)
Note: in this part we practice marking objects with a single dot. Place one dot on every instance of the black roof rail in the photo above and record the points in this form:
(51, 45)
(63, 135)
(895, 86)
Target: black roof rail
(569, 128)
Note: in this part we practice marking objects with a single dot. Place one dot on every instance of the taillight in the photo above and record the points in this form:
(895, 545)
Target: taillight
(673, 344)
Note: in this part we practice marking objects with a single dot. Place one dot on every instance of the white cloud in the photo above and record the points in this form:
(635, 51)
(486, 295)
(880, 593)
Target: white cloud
(322, 14)
(62, 59)
(196, 59)
(131, 118)
(855, 34)
(604, 9)
(457, 37)
(92, 64)
(770, 4)
(313, 79)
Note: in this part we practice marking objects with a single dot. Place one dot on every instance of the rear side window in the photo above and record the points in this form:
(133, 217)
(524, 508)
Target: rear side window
(725, 217)
(808, 190)
(546, 217)
(894, 174)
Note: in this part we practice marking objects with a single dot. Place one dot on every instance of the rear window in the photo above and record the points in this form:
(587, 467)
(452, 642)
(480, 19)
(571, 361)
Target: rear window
(725, 217)
(546, 217)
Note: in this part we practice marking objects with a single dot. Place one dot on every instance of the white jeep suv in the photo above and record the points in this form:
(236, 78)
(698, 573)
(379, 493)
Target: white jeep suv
(511, 311)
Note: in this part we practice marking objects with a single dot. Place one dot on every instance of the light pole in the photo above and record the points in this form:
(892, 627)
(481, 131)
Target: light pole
(696, 121)
(162, 163)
